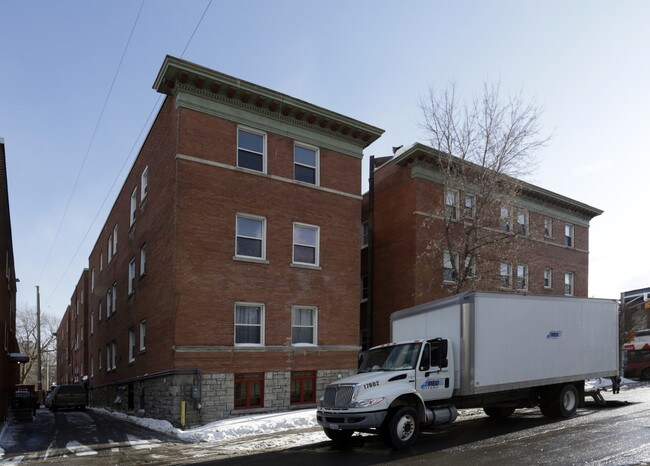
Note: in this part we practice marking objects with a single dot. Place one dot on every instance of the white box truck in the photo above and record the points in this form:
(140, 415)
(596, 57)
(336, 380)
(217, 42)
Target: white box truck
(495, 351)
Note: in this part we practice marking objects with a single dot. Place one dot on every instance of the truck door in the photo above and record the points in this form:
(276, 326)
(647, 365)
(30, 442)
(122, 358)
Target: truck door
(433, 379)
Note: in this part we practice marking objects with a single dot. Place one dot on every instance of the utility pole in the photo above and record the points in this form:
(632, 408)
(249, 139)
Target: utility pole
(38, 343)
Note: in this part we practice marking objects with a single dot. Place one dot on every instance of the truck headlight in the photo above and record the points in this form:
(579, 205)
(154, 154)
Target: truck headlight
(366, 403)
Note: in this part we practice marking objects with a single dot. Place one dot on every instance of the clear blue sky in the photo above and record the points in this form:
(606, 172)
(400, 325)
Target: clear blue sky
(585, 62)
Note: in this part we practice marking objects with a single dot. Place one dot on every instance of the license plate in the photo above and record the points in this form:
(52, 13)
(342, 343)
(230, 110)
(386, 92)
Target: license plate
(334, 426)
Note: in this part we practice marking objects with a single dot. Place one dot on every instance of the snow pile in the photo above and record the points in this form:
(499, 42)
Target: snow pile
(229, 429)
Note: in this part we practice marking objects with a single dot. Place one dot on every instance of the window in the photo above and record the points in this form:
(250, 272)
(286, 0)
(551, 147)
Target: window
(92, 279)
(108, 357)
(249, 390)
(568, 283)
(305, 166)
(303, 387)
(303, 325)
(548, 227)
(144, 182)
(113, 354)
(114, 297)
(143, 335)
(522, 277)
(134, 205)
(548, 278)
(99, 311)
(364, 288)
(449, 266)
(305, 244)
(505, 273)
(131, 276)
(522, 222)
(115, 239)
(109, 302)
(505, 219)
(143, 259)
(92, 367)
(99, 360)
(568, 235)
(470, 206)
(470, 266)
(109, 255)
(250, 237)
(251, 151)
(451, 205)
(249, 324)
(365, 232)
(131, 345)
(92, 322)
(101, 261)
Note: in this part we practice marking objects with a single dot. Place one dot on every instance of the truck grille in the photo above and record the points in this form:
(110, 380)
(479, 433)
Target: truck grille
(338, 396)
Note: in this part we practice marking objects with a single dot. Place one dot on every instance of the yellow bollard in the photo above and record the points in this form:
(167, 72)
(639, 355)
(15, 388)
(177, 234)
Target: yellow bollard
(183, 415)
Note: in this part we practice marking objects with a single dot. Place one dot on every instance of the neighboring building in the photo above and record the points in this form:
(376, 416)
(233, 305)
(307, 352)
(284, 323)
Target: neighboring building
(407, 204)
(64, 350)
(636, 312)
(226, 274)
(9, 357)
(79, 329)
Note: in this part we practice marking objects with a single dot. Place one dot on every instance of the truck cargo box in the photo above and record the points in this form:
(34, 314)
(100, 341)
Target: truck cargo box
(509, 341)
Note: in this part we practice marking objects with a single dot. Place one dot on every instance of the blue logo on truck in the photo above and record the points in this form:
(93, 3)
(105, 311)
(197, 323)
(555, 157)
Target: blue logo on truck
(435, 383)
(554, 334)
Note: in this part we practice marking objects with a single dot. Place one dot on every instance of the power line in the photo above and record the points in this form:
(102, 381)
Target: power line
(92, 139)
(126, 159)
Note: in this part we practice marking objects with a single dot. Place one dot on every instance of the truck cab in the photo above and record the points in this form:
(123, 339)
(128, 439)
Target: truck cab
(390, 393)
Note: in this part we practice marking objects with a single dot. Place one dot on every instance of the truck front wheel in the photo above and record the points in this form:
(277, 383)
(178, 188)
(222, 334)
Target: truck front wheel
(338, 436)
(402, 428)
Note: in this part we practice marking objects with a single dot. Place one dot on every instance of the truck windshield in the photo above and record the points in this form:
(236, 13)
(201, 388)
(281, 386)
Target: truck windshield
(391, 358)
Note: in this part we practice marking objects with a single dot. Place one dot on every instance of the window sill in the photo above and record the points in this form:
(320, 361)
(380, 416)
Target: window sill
(132, 362)
(305, 266)
(252, 260)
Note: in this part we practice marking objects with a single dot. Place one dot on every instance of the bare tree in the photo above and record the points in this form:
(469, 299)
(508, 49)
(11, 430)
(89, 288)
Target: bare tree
(483, 148)
(26, 330)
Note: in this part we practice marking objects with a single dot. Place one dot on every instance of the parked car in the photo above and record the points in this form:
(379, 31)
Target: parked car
(25, 398)
(68, 396)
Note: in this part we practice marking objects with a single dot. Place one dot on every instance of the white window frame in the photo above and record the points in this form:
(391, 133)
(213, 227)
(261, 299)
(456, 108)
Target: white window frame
(261, 324)
(92, 322)
(522, 276)
(505, 267)
(505, 219)
(452, 197)
(113, 355)
(316, 168)
(144, 183)
(131, 287)
(569, 235)
(143, 335)
(143, 259)
(133, 207)
(523, 222)
(314, 326)
(316, 247)
(114, 297)
(548, 227)
(131, 345)
(109, 302)
(263, 153)
(470, 208)
(109, 254)
(548, 278)
(449, 263)
(92, 279)
(262, 239)
(115, 240)
(569, 281)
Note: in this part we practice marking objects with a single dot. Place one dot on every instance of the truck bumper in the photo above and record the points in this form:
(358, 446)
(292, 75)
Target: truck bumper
(337, 420)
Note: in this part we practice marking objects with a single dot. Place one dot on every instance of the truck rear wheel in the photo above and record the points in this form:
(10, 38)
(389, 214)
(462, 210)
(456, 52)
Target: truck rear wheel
(338, 436)
(560, 402)
(402, 428)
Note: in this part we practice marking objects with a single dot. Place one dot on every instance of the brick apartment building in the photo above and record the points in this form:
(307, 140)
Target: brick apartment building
(407, 204)
(226, 274)
(9, 357)
(72, 336)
